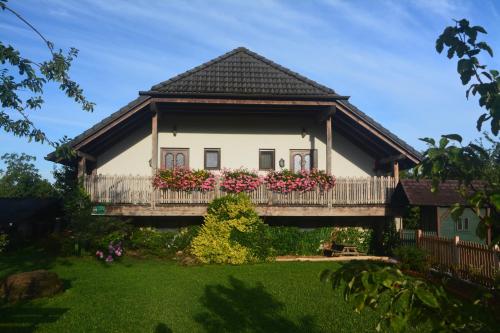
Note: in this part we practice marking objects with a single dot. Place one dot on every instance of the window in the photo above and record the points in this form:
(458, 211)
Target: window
(266, 159)
(303, 159)
(174, 158)
(463, 225)
(212, 158)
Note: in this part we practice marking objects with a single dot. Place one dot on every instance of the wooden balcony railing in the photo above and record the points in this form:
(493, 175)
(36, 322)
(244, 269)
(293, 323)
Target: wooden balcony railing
(139, 190)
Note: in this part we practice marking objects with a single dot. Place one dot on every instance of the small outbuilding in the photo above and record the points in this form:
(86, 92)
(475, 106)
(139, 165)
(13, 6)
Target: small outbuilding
(29, 217)
(435, 208)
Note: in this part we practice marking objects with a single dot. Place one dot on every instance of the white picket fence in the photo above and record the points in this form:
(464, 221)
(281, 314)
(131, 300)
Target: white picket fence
(139, 190)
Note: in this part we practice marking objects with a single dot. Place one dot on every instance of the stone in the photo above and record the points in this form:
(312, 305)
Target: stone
(30, 285)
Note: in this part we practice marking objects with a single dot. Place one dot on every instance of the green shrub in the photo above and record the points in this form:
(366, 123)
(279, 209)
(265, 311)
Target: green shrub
(360, 237)
(96, 233)
(232, 233)
(412, 258)
(151, 240)
(286, 240)
(4, 241)
(183, 239)
(294, 241)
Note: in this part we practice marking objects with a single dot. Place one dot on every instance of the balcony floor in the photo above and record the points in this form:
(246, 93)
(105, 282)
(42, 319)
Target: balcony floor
(200, 210)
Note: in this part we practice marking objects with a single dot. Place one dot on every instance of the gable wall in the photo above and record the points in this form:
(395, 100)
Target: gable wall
(239, 137)
(448, 225)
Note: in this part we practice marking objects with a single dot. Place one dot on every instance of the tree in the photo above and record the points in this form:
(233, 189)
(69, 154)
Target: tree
(22, 83)
(404, 301)
(21, 179)
(448, 158)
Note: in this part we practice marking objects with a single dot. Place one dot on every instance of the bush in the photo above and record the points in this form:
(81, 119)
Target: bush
(294, 241)
(232, 233)
(360, 237)
(4, 241)
(412, 258)
(61, 244)
(183, 239)
(151, 240)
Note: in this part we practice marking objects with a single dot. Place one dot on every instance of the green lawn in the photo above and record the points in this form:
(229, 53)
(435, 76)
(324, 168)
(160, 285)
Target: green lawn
(160, 296)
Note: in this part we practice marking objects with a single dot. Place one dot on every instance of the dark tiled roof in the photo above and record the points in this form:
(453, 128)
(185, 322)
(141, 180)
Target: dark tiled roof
(419, 193)
(242, 72)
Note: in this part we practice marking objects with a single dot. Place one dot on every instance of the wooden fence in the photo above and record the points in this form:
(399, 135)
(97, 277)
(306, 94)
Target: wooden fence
(407, 237)
(467, 260)
(139, 190)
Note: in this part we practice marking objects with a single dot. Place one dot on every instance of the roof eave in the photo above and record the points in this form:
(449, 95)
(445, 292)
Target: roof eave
(325, 97)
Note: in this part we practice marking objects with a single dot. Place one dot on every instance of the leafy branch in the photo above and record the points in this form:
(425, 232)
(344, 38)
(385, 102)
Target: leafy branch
(22, 83)
(461, 41)
(405, 302)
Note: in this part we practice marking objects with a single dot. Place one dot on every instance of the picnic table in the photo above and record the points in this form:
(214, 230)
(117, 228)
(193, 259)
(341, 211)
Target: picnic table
(345, 250)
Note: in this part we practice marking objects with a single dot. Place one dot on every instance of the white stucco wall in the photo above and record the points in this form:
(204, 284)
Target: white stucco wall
(239, 137)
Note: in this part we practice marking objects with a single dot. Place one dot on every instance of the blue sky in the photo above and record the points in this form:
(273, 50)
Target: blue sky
(381, 53)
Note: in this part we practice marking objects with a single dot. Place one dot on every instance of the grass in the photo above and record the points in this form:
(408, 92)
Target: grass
(160, 296)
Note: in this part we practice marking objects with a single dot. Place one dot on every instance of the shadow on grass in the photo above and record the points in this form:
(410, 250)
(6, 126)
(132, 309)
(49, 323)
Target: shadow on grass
(28, 259)
(242, 308)
(25, 319)
(162, 328)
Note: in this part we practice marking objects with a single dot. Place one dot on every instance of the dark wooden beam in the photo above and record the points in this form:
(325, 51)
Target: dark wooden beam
(200, 210)
(112, 124)
(154, 138)
(329, 145)
(345, 110)
(327, 113)
(82, 167)
(393, 158)
(396, 171)
(239, 101)
(88, 157)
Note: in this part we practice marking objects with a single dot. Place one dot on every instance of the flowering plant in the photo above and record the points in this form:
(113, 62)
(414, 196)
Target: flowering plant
(114, 251)
(286, 181)
(182, 179)
(239, 180)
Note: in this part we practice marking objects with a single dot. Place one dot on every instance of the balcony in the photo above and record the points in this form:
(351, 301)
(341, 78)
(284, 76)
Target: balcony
(135, 195)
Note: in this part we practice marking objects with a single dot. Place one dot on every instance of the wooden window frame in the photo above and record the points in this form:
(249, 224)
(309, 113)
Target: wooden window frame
(464, 224)
(312, 152)
(205, 158)
(273, 162)
(165, 150)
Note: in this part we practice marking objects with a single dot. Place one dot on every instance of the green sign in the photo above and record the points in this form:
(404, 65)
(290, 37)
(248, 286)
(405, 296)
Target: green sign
(99, 210)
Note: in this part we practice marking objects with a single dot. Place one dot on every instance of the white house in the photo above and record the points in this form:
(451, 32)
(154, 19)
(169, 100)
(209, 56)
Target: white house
(240, 110)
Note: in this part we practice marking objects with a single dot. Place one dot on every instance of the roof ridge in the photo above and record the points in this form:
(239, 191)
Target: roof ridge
(287, 71)
(252, 54)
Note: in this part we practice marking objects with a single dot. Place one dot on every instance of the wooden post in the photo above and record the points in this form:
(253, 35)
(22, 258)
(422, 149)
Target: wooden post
(488, 237)
(396, 171)
(329, 145)
(154, 148)
(418, 236)
(456, 252)
(82, 166)
(438, 223)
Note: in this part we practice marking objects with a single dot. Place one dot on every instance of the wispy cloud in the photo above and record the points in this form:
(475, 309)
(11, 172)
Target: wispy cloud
(379, 52)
